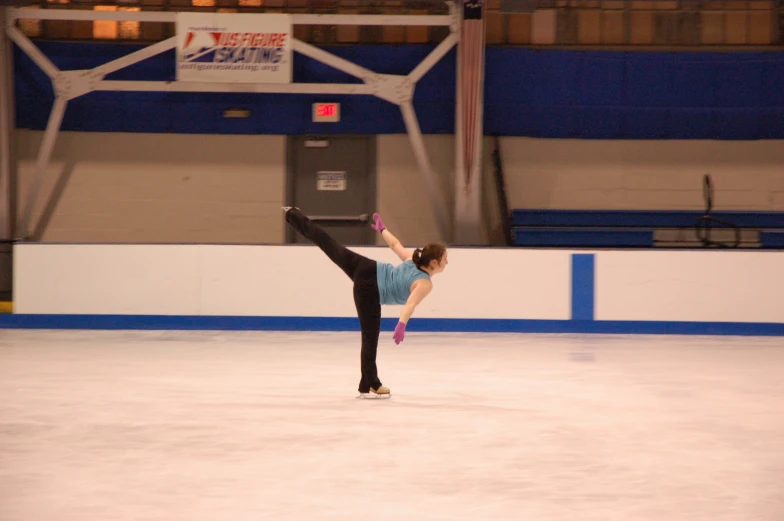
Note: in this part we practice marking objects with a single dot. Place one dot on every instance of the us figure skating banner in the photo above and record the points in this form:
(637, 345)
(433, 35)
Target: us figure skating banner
(234, 48)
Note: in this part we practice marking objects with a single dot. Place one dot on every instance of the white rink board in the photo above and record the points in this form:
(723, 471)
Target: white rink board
(693, 286)
(230, 280)
(106, 279)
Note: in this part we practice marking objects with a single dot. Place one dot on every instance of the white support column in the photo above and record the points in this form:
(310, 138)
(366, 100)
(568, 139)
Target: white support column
(6, 130)
(42, 162)
(469, 130)
(460, 169)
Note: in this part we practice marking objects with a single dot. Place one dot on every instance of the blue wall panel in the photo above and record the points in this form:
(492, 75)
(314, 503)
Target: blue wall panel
(528, 92)
(634, 95)
(649, 80)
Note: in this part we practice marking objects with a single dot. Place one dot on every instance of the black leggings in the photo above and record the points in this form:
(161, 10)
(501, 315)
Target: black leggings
(362, 271)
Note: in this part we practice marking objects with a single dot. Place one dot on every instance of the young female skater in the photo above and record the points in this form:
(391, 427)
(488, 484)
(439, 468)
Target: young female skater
(377, 283)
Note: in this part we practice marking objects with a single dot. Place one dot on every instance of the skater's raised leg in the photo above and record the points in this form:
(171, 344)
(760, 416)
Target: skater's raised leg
(346, 259)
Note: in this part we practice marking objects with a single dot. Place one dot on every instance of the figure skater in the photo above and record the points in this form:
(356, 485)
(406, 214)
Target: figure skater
(377, 283)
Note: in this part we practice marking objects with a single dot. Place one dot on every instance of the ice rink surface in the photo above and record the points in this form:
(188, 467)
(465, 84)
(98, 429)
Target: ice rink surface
(248, 426)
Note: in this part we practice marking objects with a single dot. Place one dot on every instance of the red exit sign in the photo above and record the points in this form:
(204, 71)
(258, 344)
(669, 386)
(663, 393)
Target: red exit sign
(326, 112)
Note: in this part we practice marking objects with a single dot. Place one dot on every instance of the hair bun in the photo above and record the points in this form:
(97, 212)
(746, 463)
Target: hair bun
(431, 252)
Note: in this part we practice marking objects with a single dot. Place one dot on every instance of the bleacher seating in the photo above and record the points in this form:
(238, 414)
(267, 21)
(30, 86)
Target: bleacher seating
(642, 228)
(583, 237)
(772, 239)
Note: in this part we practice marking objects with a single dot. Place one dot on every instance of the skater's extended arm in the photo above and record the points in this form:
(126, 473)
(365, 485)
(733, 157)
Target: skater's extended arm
(396, 246)
(390, 239)
(419, 291)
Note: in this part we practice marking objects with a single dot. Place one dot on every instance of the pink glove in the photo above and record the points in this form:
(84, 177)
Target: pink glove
(379, 226)
(400, 332)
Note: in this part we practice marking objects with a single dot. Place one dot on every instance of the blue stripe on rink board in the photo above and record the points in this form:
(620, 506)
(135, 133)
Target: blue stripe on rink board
(454, 325)
(582, 286)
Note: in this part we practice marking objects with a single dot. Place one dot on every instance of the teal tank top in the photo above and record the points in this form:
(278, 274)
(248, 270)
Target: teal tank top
(394, 282)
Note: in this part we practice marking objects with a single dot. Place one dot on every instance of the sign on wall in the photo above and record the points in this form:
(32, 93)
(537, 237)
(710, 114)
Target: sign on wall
(333, 180)
(234, 48)
(326, 112)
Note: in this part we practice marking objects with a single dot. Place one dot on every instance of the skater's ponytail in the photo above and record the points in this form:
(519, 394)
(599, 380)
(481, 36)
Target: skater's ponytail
(432, 252)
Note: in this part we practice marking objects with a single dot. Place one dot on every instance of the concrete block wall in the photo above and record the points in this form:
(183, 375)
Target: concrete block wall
(228, 189)
(403, 198)
(160, 188)
(661, 175)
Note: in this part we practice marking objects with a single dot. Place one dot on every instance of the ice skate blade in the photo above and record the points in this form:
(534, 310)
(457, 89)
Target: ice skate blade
(373, 396)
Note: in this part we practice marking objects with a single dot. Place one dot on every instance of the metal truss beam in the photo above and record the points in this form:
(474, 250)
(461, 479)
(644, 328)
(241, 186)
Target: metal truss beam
(42, 162)
(136, 57)
(170, 17)
(331, 60)
(35, 54)
(262, 88)
(396, 89)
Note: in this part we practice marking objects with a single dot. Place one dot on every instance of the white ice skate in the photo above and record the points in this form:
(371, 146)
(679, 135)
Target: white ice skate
(375, 394)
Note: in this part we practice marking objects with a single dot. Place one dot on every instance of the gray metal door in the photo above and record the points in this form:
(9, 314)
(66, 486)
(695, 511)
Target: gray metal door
(333, 181)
